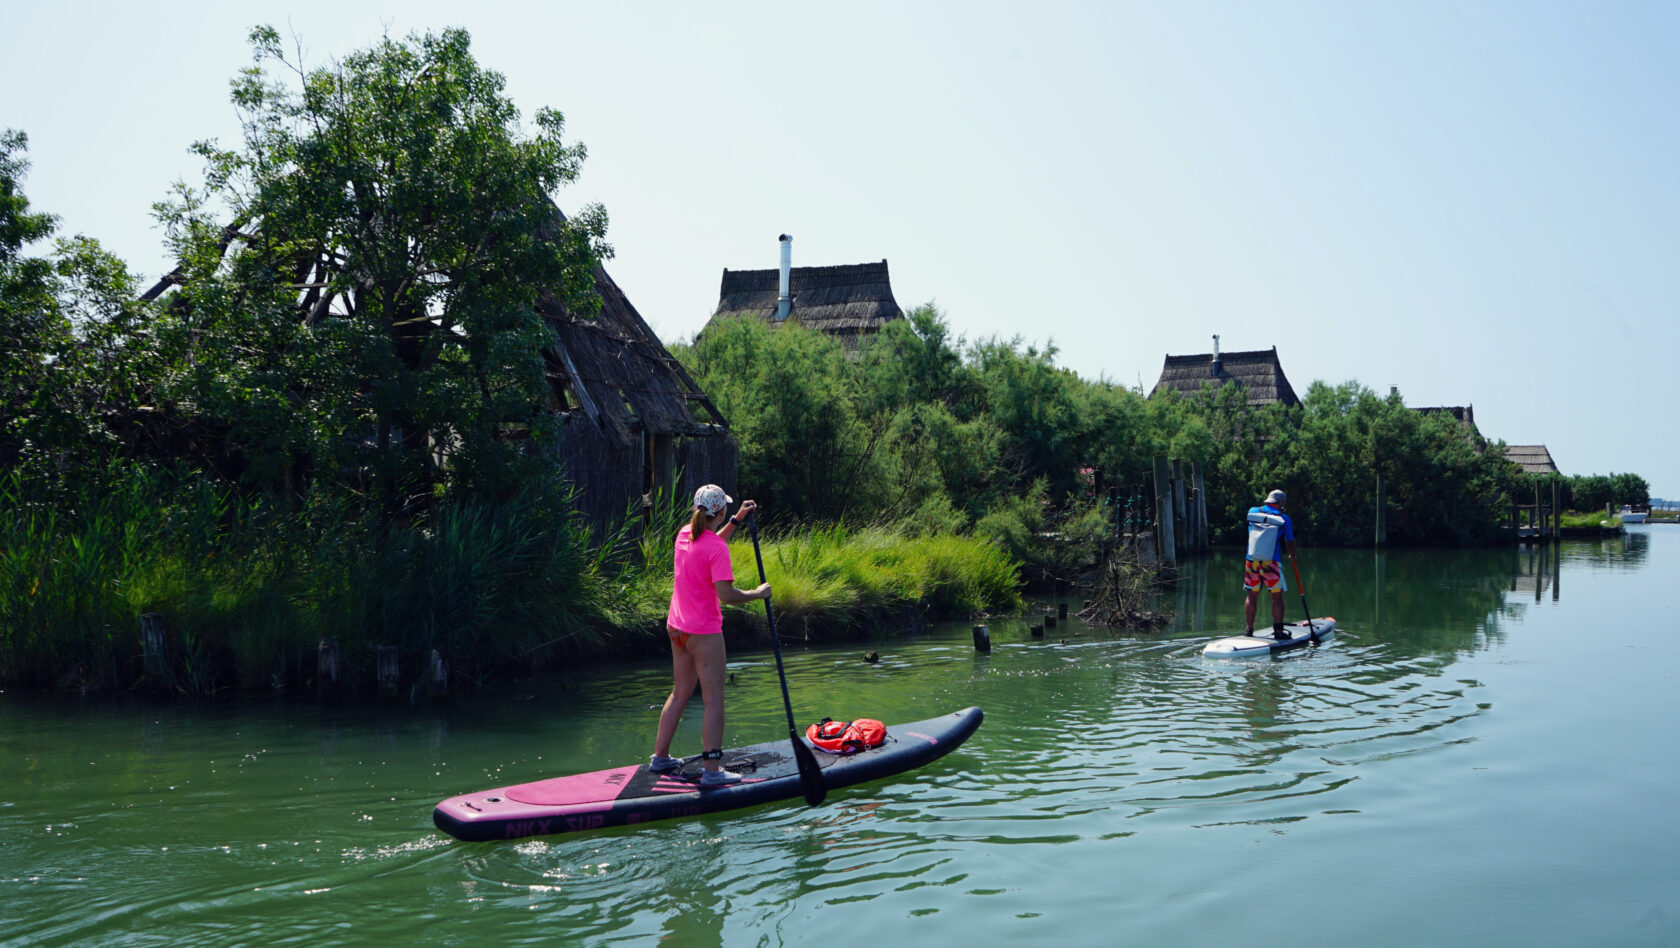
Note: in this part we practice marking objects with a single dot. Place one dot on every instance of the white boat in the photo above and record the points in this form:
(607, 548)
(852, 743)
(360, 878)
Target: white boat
(1634, 514)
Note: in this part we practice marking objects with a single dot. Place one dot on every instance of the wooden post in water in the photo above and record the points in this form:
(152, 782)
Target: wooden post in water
(982, 639)
(154, 647)
(387, 674)
(326, 667)
(1382, 515)
(437, 677)
(1557, 514)
(1181, 524)
(1164, 546)
(1202, 543)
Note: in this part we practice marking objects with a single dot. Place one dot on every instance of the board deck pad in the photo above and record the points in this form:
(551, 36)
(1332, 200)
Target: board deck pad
(633, 794)
(1262, 643)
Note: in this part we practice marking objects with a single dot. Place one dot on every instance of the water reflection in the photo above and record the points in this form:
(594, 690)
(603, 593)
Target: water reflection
(1630, 550)
(1415, 602)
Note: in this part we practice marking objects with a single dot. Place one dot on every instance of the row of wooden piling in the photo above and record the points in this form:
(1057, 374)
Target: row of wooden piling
(330, 676)
(983, 633)
(1540, 521)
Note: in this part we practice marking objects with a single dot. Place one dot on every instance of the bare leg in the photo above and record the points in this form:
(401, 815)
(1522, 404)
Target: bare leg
(710, 661)
(683, 678)
(1250, 606)
(1277, 609)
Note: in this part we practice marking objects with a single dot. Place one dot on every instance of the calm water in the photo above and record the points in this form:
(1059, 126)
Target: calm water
(1485, 755)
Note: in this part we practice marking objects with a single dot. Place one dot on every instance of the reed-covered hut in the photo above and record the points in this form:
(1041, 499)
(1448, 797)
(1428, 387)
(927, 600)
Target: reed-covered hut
(1465, 415)
(1258, 372)
(1532, 458)
(635, 421)
(849, 302)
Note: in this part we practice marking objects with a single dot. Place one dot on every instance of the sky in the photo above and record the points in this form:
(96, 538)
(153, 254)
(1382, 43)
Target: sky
(1476, 203)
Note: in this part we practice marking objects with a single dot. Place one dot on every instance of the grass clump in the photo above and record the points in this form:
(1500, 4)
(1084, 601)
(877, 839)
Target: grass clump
(837, 581)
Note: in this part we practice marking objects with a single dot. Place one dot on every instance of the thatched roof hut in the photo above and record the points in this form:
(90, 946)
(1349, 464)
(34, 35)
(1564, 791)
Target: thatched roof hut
(1532, 458)
(630, 409)
(1258, 372)
(849, 301)
(1463, 414)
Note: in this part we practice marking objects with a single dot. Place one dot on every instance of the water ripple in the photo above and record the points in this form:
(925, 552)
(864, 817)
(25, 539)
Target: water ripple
(1099, 741)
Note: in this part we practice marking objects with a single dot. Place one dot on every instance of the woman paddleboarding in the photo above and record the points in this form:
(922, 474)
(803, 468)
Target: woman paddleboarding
(702, 582)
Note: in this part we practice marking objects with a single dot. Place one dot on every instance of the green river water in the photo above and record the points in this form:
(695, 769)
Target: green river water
(1485, 755)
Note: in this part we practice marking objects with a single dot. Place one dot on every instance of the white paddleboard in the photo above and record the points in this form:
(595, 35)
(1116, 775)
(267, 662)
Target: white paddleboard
(1262, 643)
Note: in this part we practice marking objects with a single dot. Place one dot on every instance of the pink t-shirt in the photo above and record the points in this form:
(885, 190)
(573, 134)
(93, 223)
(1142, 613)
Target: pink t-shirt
(694, 601)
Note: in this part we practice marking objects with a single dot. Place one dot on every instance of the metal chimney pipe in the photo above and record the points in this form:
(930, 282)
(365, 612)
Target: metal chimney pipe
(784, 302)
(1216, 353)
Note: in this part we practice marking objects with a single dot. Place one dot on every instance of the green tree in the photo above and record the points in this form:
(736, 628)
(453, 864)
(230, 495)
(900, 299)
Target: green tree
(924, 406)
(1440, 486)
(371, 310)
(1595, 491)
(790, 396)
(1035, 406)
(33, 331)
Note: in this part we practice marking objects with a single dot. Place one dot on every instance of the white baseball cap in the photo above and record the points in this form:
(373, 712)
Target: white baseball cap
(1276, 497)
(712, 499)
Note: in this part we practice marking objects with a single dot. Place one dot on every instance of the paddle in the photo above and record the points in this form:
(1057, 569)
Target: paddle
(1312, 630)
(810, 775)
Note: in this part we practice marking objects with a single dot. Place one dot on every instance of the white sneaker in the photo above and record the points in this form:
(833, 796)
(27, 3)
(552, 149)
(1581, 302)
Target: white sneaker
(663, 765)
(718, 778)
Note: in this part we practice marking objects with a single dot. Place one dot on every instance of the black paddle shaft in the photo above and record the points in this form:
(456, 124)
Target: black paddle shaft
(810, 774)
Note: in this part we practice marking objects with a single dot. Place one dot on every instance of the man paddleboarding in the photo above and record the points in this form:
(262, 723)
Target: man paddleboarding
(1270, 532)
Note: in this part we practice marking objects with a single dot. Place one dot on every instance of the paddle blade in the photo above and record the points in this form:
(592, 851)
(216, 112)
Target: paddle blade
(810, 773)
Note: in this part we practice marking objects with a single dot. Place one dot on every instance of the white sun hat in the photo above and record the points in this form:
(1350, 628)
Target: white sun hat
(712, 499)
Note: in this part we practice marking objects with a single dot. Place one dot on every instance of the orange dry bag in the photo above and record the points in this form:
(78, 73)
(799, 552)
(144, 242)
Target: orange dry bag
(847, 737)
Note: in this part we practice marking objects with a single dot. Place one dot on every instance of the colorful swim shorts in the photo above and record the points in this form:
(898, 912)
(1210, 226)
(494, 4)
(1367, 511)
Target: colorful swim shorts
(1268, 573)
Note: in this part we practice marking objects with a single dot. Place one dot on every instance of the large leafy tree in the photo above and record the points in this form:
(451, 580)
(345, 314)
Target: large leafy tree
(32, 330)
(792, 399)
(67, 322)
(360, 274)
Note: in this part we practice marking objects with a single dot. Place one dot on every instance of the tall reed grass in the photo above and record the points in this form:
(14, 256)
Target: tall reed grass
(247, 590)
(836, 582)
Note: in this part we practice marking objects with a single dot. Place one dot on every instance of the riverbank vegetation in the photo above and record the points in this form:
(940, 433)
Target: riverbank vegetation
(247, 590)
(331, 423)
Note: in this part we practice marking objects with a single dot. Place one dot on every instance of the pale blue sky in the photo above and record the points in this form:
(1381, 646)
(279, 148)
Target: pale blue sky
(1476, 202)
